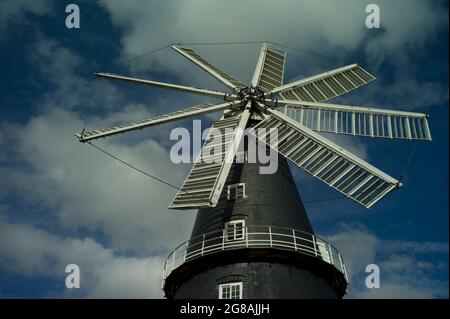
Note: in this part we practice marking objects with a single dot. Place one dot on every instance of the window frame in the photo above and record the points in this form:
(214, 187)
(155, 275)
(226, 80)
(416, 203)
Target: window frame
(234, 236)
(236, 187)
(230, 285)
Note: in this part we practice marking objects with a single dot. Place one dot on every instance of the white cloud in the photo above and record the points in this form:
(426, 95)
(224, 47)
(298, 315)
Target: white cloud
(79, 185)
(408, 25)
(357, 246)
(414, 247)
(403, 276)
(85, 189)
(15, 12)
(307, 24)
(60, 67)
(402, 273)
(33, 252)
(431, 94)
(65, 187)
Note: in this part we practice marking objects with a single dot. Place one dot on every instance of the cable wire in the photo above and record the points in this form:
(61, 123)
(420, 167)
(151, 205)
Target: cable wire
(305, 52)
(158, 179)
(133, 166)
(133, 59)
(408, 162)
(326, 199)
(220, 43)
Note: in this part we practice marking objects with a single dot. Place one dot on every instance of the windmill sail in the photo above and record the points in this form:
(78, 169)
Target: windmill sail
(269, 70)
(203, 186)
(327, 161)
(223, 77)
(184, 113)
(298, 140)
(357, 120)
(162, 85)
(326, 85)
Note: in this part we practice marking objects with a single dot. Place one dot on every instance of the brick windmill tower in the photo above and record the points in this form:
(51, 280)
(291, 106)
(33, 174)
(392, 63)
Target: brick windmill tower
(252, 237)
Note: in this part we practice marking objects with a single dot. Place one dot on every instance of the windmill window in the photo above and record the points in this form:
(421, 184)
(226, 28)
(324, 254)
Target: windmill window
(231, 290)
(324, 252)
(236, 191)
(235, 230)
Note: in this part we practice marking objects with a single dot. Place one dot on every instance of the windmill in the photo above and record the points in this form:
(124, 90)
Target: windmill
(252, 237)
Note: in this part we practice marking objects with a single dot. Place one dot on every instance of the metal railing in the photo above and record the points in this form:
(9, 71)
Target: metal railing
(255, 236)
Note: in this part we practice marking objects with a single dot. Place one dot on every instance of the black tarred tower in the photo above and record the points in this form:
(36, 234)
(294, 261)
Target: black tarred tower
(245, 246)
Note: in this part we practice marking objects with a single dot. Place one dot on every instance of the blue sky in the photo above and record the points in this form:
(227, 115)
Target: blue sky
(63, 202)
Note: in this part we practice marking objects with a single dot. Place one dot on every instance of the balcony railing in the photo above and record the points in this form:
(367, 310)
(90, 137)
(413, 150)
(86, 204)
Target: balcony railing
(255, 236)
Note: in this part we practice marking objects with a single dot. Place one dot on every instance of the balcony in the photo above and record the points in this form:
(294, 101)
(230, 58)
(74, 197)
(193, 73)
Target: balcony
(255, 236)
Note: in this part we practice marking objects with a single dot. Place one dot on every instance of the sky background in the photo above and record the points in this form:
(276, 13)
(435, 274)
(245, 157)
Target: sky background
(63, 202)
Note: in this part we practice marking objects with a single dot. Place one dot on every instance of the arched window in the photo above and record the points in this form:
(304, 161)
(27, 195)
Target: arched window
(235, 230)
(232, 290)
(236, 191)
